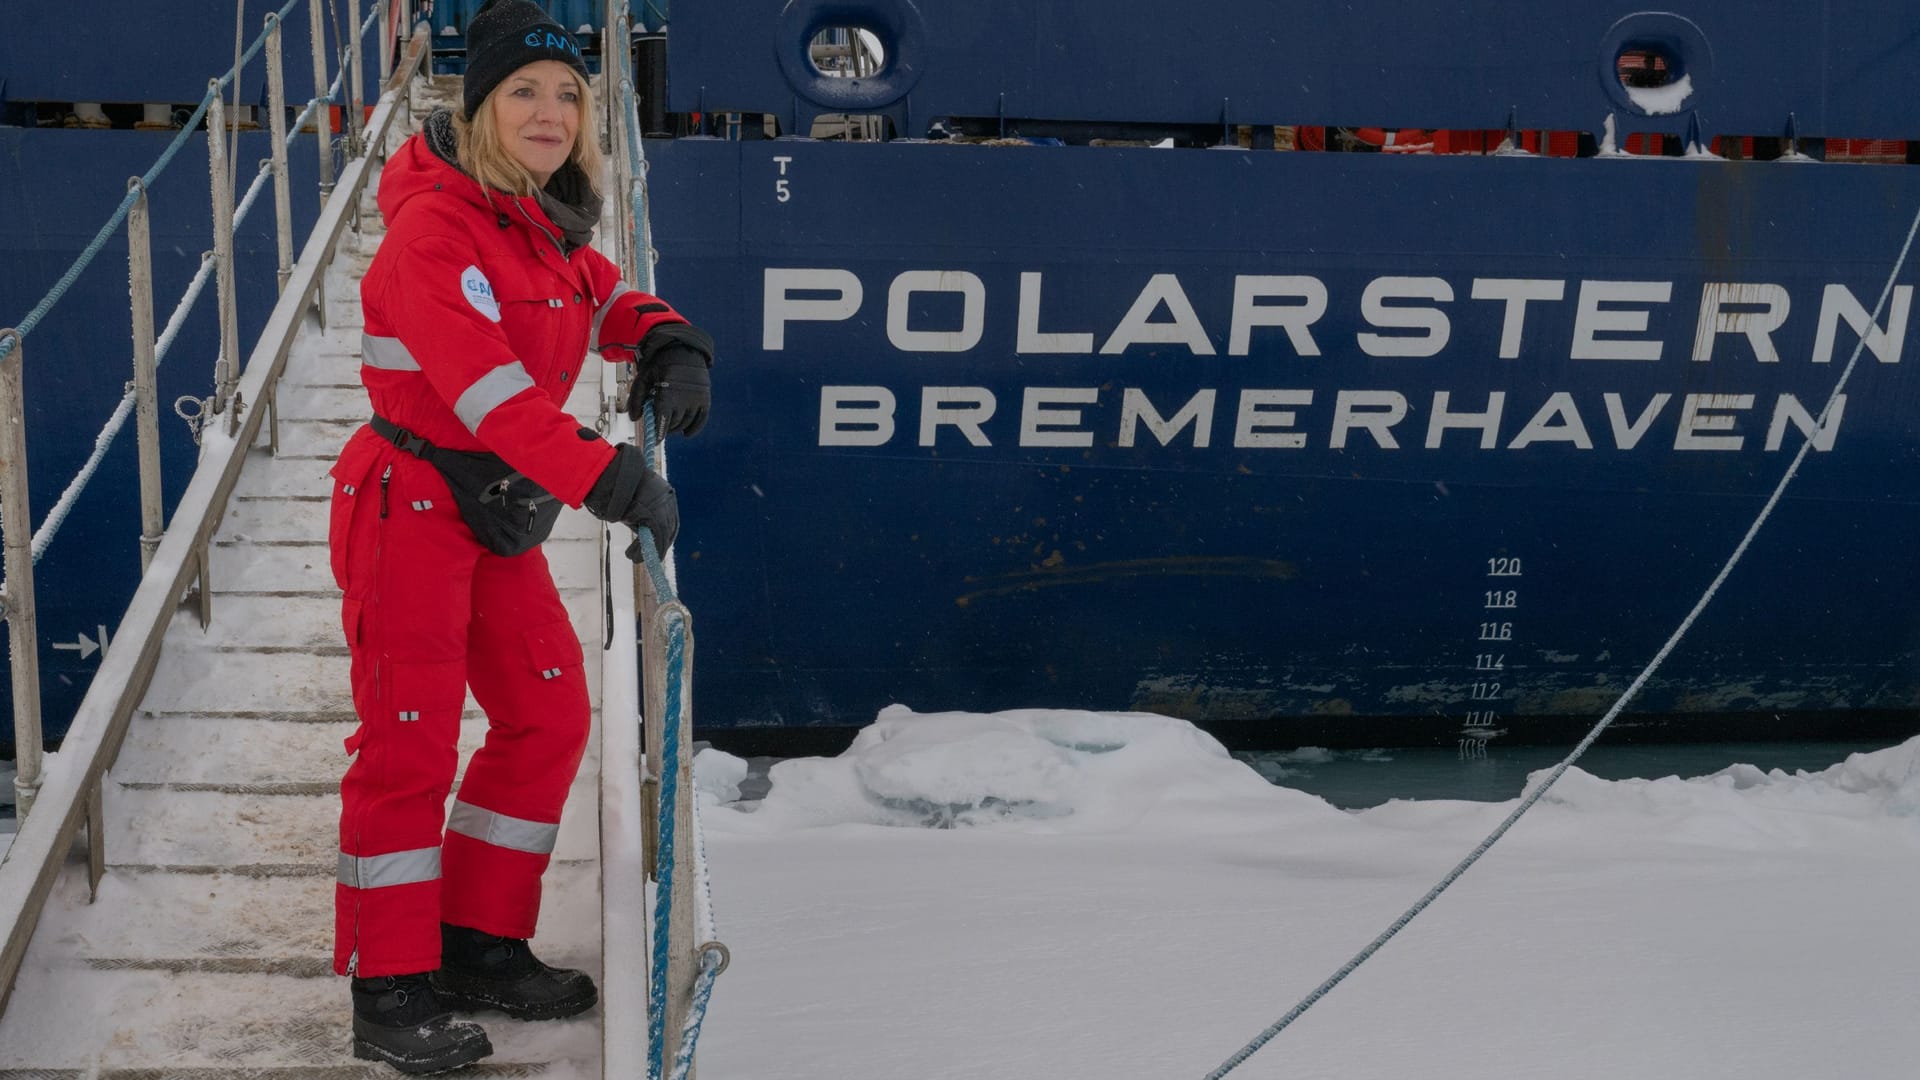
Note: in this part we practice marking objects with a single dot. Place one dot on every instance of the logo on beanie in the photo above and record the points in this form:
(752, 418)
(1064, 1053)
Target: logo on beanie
(547, 39)
(479, 292)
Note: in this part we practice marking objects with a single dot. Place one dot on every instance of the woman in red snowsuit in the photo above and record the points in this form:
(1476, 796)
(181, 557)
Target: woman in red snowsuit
(480, 308)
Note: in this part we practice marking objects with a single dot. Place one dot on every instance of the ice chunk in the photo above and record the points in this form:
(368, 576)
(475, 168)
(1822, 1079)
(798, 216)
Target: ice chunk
(1054, 769)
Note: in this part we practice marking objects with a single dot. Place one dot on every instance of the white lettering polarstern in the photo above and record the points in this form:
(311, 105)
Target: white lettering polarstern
(1600, 324)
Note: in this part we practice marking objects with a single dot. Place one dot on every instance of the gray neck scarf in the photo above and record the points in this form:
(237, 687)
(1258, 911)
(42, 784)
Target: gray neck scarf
(572, 205)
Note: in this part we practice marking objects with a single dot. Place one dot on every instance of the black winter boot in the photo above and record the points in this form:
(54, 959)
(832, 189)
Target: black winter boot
(400, 1020)
(481, 971)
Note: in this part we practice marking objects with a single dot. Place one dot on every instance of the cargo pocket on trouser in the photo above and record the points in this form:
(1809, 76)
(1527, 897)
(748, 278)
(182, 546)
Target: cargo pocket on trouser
(350, 476)
(393, 799)
(553, 648)
(554, 656)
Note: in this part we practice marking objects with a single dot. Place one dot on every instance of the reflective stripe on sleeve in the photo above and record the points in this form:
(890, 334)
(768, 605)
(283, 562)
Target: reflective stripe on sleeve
(398, 868)
(386, 353)
(534, 837)
(619, 289)
(489, 391)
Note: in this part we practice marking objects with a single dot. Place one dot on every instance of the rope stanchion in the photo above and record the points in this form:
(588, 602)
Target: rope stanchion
(1633, 689)
(713, 961)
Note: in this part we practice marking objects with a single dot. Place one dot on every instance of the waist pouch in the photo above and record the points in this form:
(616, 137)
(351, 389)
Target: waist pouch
(508, 513)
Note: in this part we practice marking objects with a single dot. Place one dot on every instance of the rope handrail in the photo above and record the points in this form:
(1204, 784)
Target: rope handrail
(50, 527)
(1606, 721)
(713, 956)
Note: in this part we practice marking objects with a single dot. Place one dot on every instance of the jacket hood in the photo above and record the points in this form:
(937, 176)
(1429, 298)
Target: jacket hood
(425, 163)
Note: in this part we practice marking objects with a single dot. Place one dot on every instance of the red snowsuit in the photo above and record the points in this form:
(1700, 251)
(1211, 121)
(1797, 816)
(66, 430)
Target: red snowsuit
(477, 327)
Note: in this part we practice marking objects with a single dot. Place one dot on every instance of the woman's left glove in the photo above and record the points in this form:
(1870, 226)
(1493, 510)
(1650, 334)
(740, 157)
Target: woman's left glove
(629, 492)
(673, 363)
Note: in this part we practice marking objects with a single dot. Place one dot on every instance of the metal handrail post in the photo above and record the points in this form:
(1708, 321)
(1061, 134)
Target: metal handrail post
(277, 112)
(357, 82)
(386, 40)
(403, 47)
(653, 687)
(145, 405)
(683, 959)
(16, 523)
(615, 65)
(322, 121)
(224, 372)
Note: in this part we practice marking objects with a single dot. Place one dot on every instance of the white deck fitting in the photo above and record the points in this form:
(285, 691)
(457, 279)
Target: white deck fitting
(206, 955)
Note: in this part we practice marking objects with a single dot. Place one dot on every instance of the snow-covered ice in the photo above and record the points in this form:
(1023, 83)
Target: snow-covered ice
(1076, 895)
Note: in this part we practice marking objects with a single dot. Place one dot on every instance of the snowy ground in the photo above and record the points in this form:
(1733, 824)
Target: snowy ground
(1071, 895)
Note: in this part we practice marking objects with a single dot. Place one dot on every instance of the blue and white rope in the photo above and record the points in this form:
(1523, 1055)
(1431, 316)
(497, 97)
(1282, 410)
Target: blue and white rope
(710, 966)
(710, 959)
(664, 861)
(1633, 689)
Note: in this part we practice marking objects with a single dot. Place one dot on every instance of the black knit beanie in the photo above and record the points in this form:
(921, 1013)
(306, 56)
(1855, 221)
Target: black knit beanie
(505, 36)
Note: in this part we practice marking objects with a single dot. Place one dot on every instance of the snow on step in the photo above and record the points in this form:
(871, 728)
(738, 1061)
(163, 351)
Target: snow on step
(213, 681)
(246, 751)
(235, 1025)
(195, 828)
(268, 925)
(306, 569)
(316, 437)
(329, 401)
(313, 621)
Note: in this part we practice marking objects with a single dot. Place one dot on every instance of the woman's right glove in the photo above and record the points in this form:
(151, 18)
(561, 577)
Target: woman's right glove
(631, 493)
(673, 363)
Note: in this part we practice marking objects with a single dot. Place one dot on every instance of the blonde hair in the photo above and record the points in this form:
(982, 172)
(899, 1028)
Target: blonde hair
(477, 142)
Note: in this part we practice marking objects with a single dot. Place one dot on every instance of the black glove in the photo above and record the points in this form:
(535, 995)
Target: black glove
(631, 493)
(674, 359)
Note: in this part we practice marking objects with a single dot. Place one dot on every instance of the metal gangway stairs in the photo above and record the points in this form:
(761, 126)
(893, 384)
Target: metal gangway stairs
(167, 903)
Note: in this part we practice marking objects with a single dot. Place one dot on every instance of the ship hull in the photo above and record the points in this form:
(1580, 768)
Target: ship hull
(934, 475)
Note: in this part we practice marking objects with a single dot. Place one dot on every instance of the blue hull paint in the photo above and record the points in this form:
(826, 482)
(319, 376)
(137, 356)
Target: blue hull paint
(1282, 589)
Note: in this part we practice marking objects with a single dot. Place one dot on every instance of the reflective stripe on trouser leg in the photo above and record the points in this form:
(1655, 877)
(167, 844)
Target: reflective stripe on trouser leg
(502, 830)
(410, 577)
(536, 734)
(393, 868)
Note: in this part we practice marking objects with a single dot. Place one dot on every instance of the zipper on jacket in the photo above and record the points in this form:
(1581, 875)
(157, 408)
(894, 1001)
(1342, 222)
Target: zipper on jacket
(557, 246)
(385, 479)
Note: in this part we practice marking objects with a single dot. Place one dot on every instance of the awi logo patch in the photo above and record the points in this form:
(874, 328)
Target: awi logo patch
(479, 292)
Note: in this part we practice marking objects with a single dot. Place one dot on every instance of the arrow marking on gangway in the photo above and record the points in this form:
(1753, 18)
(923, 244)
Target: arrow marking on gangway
(86, 646)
